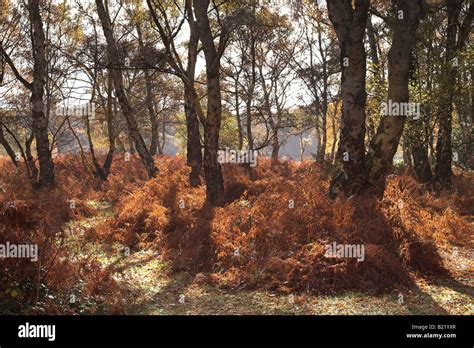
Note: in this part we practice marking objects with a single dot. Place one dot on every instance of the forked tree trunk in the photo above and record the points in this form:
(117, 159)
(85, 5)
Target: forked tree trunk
(385, 142)
(127, 110)
(30, 159)
(350, 23)
(192, 105)
(103, 171)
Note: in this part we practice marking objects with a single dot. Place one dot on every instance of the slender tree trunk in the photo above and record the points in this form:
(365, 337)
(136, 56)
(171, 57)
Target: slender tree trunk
(194, 152)
(237, 116)
(350, 23)
(8, 148)
(29, 157)
(372, 41)
(127, 110)
(321, 153)
(212, 168)
(151, 112)
(193, 144)
(250, 96)
(40, 121)
(442, 173)
(103, 171)
(385, 143)
(192, 105)
(149, 98)
(334, 134)
(248, 108)
(275, 146)
(110, 128)
(406, 152)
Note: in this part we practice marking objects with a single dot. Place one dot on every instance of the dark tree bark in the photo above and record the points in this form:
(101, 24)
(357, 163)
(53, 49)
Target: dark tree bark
(237, 115)
(127, 110)
(155, 135)
(350, 23)
(111, 132)
(40, 121)
(212, 122)
(421, 163)
(250, 95)
(406, 153)
(275, 147)
(454, 42)
(192, 105)
(29, 157)
(8, 148)
(385, 143)
(193, 143)
(103, 171)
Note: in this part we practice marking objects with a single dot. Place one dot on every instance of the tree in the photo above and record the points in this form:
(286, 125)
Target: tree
(192, 104)
(212, 122)
(385, 142)
(455, 41)
(316, 66)
(349, 23)
(37, 89)
(114, 65)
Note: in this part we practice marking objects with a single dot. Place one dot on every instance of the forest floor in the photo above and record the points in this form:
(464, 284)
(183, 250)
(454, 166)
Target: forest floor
(150, 288)
(136, 246)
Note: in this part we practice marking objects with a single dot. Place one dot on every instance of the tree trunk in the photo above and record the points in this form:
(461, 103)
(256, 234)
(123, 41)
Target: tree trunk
(193, 143)
(442, 173)
(385, 143)
(406, 152)
(8, 148)
(40, 121)
(191, 103)
(350, 24)
(321, 153)
(421, 163)
(149, 98)
(30, 161)
(275, 146)
(212, 168)
(250, 96)
(110, 128)
(237, 116)
(127, 110)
